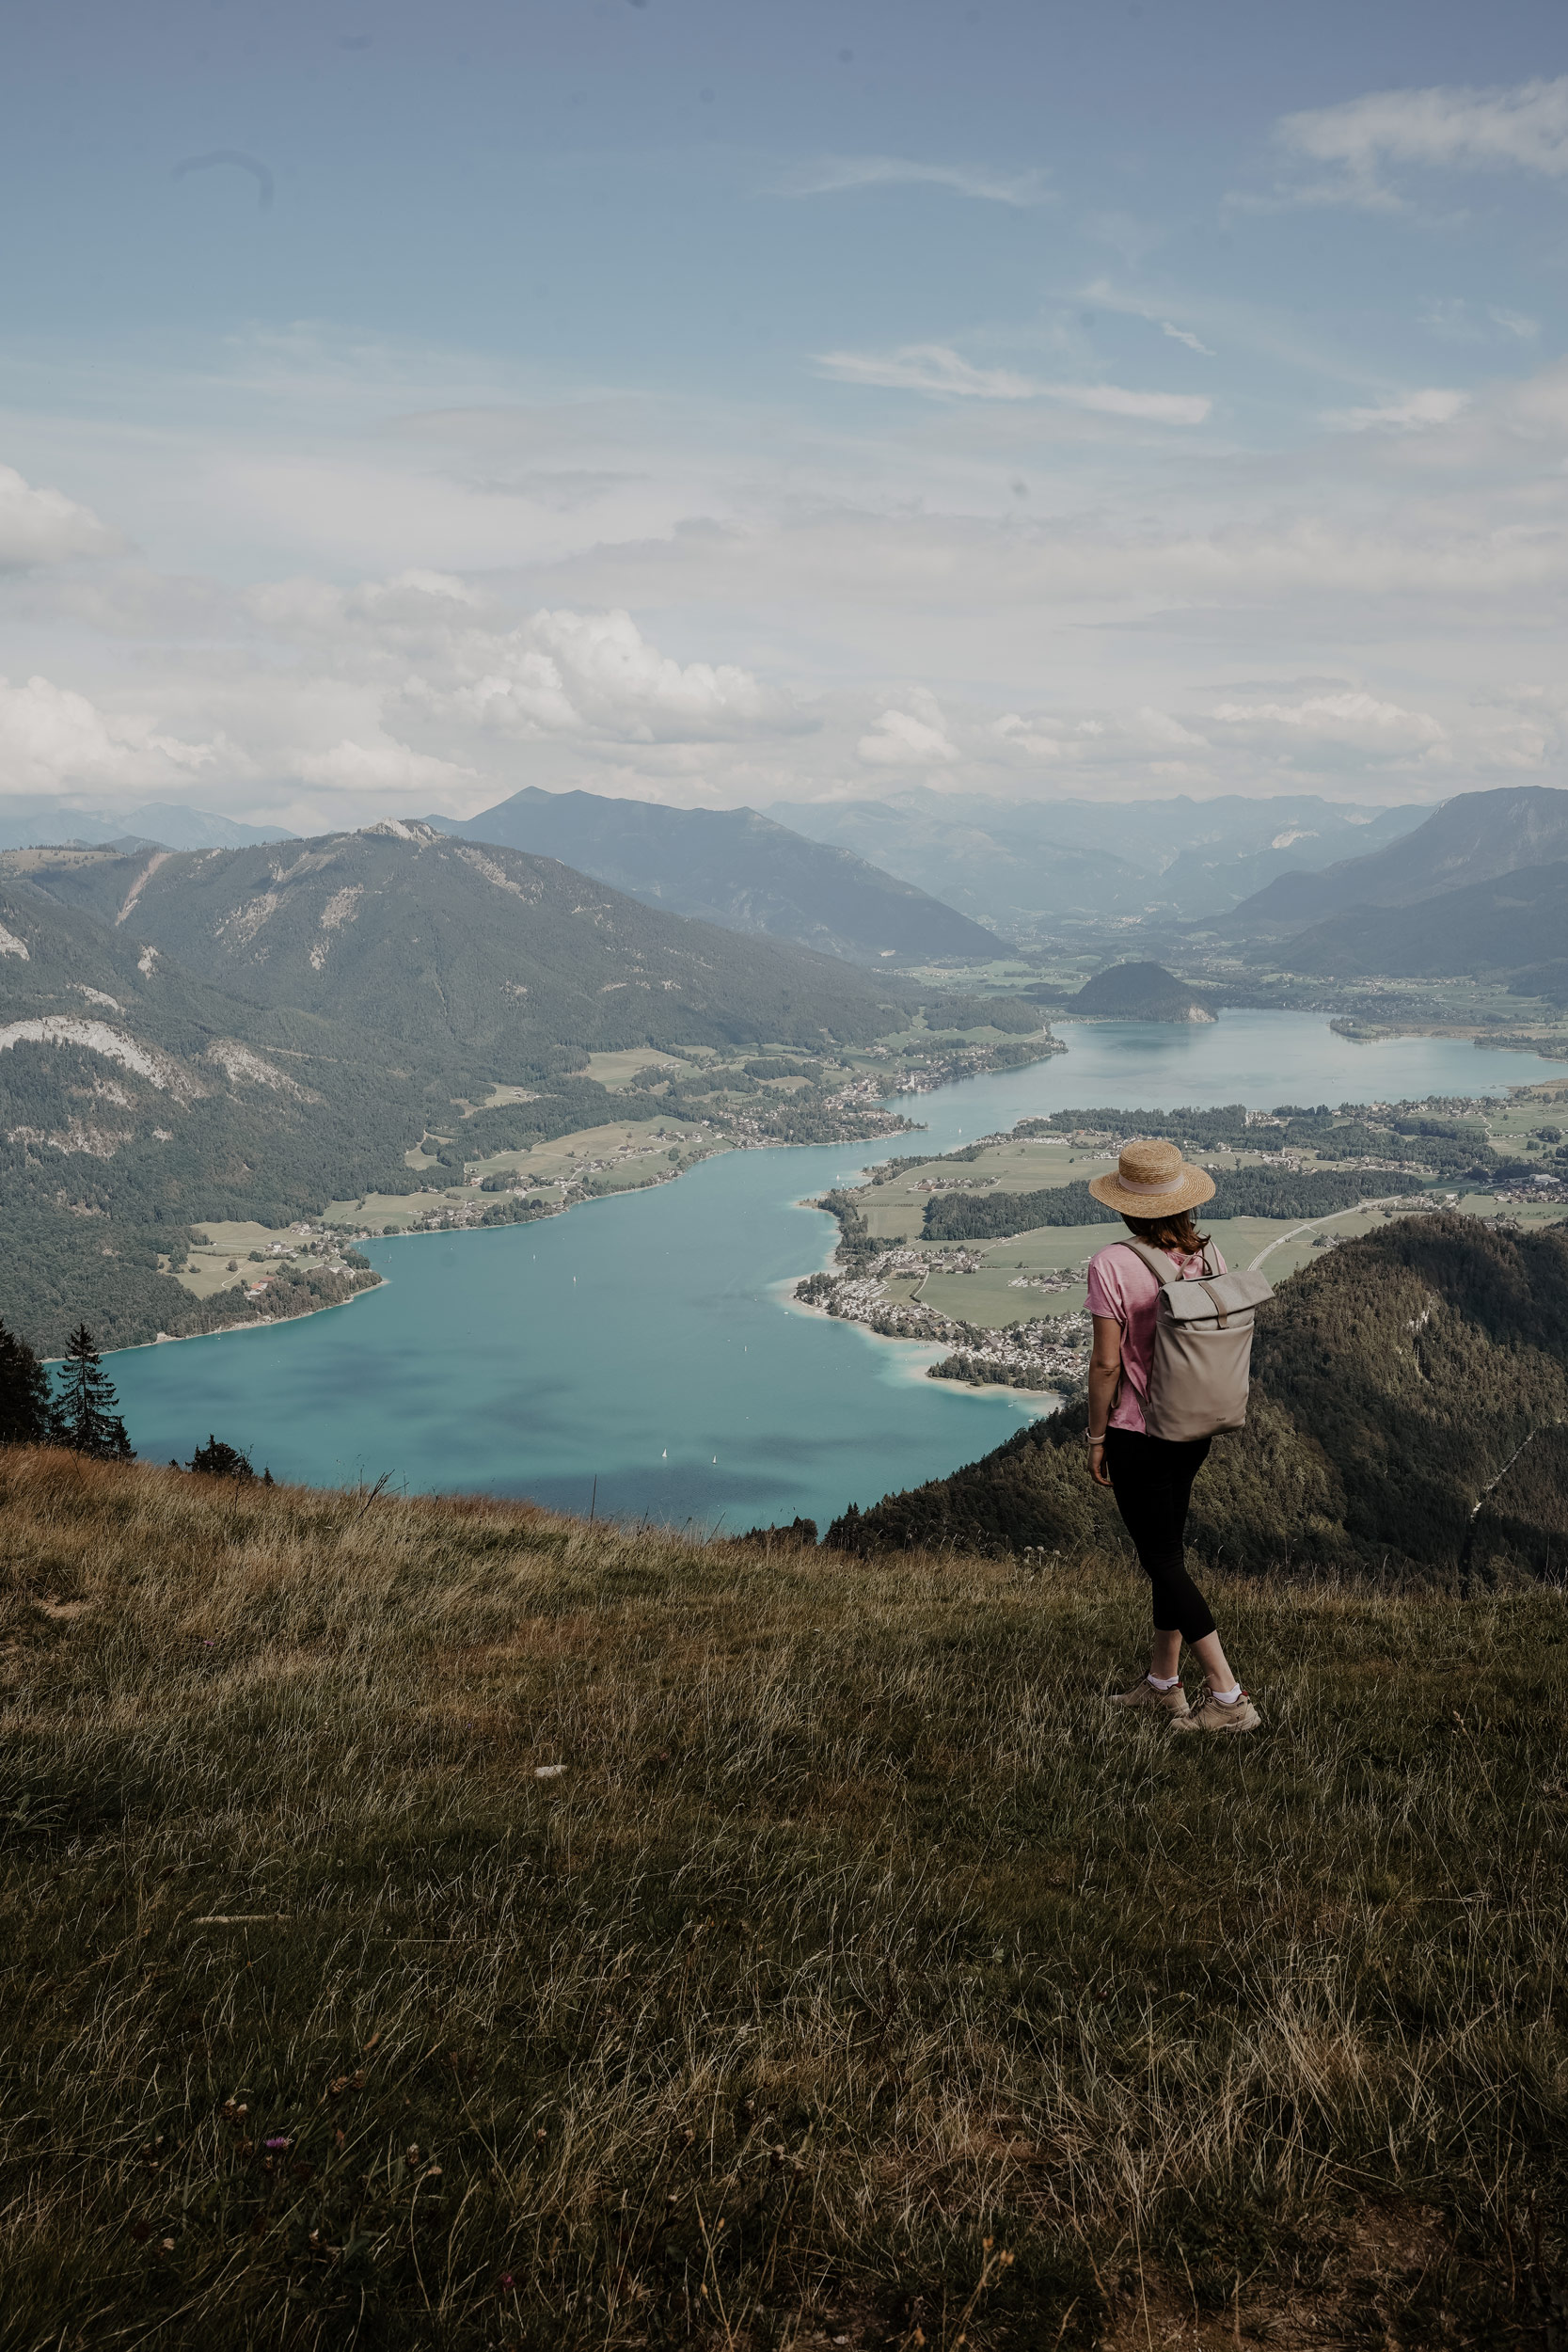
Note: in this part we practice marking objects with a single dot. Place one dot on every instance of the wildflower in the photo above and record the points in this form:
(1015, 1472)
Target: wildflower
(506, 2277)
(278, 2142)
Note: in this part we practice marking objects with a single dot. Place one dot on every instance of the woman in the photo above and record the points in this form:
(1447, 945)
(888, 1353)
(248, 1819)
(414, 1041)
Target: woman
(1155, 1192)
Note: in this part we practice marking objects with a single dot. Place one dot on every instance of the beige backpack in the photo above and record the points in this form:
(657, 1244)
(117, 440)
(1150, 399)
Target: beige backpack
(1200, 1367)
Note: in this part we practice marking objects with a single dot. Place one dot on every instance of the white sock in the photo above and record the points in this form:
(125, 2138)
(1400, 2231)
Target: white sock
(1228, 1698)
(1164, 1686)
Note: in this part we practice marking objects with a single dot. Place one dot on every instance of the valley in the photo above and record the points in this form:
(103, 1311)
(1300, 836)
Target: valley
(227, 1068)
(351, 1029)
(984, 1250)
(644, 1351)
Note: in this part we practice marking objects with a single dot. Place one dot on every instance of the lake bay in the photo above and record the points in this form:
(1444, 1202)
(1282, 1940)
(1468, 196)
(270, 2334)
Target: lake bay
(641, 1342)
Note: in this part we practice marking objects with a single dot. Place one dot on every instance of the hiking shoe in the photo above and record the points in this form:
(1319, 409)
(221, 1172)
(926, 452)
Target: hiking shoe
(1240, 1715)
(1172, 1702)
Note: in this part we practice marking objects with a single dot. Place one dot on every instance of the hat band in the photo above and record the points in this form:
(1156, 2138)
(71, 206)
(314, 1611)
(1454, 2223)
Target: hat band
(1172, 1183)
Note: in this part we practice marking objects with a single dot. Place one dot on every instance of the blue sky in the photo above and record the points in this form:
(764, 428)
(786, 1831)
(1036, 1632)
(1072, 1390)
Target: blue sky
(743, 402)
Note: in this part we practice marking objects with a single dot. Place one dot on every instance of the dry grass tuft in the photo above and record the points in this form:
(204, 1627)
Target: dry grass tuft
(857, 1947)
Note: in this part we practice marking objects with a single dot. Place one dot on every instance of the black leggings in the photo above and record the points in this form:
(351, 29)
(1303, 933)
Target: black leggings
(1153, 1482)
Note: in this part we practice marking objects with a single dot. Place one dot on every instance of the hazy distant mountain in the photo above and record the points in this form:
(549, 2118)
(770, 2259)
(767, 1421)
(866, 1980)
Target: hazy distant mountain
(1023, 865)
(732, 866)
(1519, 920)
(1472, 838)
(487, 957)
(181, 828)
(26, 820)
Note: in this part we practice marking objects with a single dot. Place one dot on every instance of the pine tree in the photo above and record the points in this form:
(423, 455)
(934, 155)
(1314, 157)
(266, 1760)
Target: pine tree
(218, 1460)
(23, 1393)
(84, 1416)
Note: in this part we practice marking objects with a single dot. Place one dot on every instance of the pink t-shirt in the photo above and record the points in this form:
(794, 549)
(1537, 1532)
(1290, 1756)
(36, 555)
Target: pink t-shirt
(1121, 1286)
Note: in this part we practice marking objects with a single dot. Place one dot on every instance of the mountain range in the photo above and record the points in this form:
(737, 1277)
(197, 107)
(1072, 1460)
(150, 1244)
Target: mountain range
(247, 1034)
(1021, 867)
(485, 959)
(29, 820)
(1475, 837)
(736, 869)
(1518, 921)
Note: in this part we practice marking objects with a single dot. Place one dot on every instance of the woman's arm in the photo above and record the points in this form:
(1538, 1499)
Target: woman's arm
(1104, 1380)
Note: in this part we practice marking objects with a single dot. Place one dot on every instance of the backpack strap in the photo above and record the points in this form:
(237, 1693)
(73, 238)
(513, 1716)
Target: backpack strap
(1161, 1268)
(1156, 1260)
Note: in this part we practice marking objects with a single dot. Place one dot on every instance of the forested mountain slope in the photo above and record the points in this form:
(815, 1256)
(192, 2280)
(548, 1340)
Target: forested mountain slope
(501, 963)
(136, 1101)
(1519, 919)
(247, 1035)
(1393, 1381)
(733, 868)
(1474, 837)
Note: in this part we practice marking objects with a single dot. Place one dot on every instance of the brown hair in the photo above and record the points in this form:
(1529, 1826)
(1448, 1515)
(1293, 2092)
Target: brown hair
(1168, 1232)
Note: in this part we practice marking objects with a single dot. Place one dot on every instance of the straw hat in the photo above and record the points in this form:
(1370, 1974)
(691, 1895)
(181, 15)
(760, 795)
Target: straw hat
(1152, 1180)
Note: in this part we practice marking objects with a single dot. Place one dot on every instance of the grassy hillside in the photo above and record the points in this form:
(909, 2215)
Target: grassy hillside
(496, 961)
(858, 1979)
(731, 866)
(1476, 836)
(1409, 1416)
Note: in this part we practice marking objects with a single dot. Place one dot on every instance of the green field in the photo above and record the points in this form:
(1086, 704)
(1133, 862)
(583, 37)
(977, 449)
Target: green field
(998, 1291)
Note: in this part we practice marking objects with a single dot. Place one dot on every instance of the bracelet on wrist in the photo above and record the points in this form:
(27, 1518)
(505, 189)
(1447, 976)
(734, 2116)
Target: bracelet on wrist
(1090, 1438)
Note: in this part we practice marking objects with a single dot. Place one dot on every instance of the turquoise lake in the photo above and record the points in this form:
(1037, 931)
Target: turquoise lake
(640, 1342)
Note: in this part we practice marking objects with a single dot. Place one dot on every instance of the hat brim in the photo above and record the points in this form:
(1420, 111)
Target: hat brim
(1190, 1191)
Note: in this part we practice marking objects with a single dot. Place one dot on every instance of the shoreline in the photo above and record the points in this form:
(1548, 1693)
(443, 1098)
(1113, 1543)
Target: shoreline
(784, 1294)
(502, 1225)
(229, 1330)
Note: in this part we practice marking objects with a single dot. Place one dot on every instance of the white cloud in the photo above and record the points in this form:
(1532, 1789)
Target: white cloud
(45, 527)
(1023, 735)
(52, 738)
(1411, 414)
(1184, 335)
(1516, 323)
(1353, 720)
(899, 739)
(1524, 127)
(595, 675)
(937, 368)
(837, 175)
(382, 766)
(926, 368)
